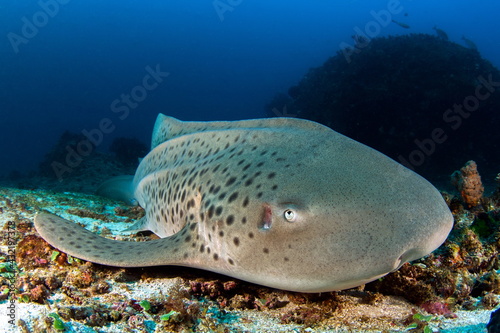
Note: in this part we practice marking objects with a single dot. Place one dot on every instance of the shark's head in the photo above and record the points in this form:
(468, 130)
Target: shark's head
(317, 225)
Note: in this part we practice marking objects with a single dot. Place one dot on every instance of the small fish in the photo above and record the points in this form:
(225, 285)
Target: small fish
(441, 34)
(401, 24)
(282, 202)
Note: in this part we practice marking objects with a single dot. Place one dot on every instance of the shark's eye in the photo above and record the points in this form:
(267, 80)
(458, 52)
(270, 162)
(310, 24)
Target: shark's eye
(289, 215)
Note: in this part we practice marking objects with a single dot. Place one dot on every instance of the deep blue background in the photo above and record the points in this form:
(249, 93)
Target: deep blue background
(67, 75)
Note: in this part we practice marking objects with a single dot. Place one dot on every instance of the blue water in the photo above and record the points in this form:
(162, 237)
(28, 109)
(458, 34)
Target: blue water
(67, 65)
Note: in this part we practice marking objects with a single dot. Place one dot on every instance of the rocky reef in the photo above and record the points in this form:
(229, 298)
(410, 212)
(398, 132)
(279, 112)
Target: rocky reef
(427, 102)
(128, 150)
(75, 164)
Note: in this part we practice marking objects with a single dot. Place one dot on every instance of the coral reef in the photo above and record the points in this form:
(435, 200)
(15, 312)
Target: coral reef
(67, 145)
(83, 173)
(496, 195)
(128, 150)
(468, 183)
(411, 97)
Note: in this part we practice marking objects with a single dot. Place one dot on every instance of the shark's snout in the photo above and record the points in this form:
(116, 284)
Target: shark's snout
(427, 243)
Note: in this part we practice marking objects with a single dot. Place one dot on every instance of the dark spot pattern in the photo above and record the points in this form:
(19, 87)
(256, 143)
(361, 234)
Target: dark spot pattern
(232, 197)
(230, 181)
(206, 179)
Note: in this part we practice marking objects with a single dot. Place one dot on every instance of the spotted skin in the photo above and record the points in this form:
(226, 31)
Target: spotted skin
(281, 202)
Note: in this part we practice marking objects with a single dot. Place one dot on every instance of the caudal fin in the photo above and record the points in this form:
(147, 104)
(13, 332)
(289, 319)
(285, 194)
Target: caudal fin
(77, 241)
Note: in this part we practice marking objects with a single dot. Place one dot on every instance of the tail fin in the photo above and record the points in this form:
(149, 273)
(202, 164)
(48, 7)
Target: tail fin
(78, 242)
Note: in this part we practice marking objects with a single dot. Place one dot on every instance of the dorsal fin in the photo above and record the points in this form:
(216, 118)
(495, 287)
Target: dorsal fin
(167, 128)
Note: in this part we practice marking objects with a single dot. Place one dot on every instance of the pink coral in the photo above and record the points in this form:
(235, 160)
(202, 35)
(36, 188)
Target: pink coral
(438, 308)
